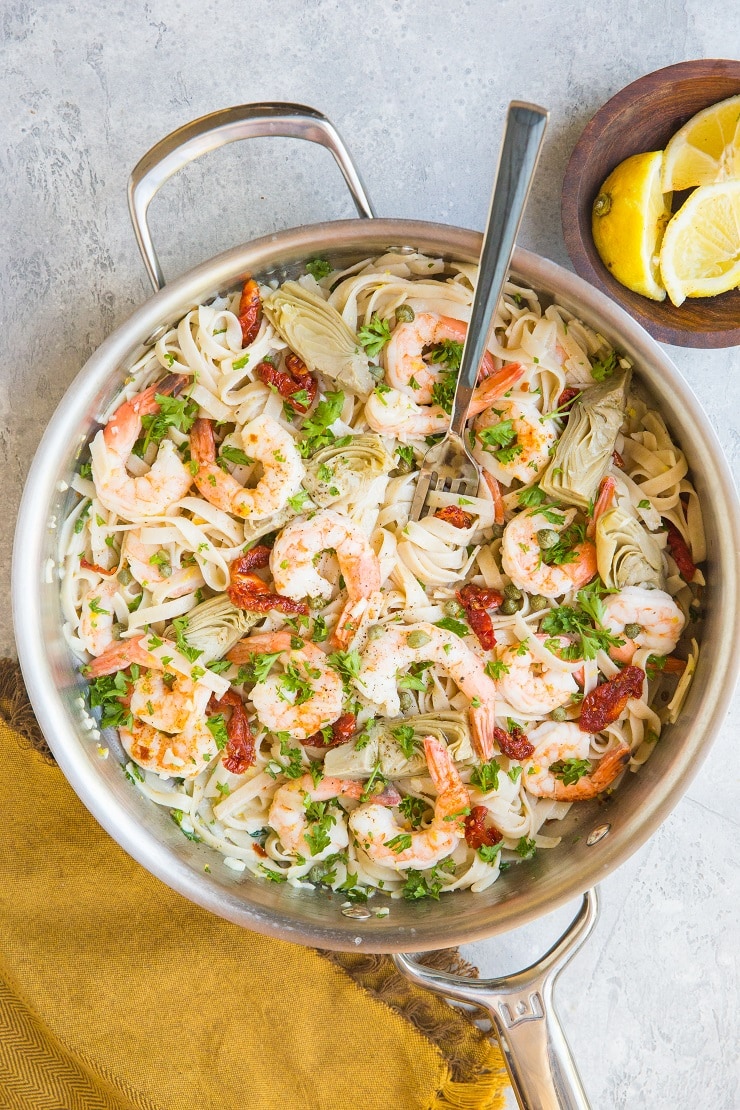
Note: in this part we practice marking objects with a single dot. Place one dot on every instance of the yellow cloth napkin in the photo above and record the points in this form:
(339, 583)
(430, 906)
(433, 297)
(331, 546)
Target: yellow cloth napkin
(115, 992)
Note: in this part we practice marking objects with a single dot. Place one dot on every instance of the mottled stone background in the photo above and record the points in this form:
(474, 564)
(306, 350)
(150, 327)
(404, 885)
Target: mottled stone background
(418, 89)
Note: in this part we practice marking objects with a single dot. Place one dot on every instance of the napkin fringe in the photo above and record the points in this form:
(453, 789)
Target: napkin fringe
(16, 711)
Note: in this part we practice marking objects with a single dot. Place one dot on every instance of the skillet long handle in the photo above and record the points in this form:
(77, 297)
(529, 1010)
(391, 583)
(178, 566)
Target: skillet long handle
(541, 1068)
(246, 121)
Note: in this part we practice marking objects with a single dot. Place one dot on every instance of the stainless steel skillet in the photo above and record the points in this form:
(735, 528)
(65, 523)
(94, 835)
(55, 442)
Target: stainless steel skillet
(596, 837)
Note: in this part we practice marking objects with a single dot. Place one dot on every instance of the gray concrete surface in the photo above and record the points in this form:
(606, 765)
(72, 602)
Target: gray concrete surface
(418, 89)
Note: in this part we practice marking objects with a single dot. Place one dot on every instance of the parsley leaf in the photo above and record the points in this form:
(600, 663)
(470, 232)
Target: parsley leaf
(319, 268)
(234, 455)
(180, 625)
(315, 430)
(571, 770)
(375, 335)
(406, 738)
(451, 625)
(413, 810)
(603, 368)
(485, 776)
(216, 725)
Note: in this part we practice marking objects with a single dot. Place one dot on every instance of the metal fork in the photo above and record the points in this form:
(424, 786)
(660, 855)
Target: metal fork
(448, 466)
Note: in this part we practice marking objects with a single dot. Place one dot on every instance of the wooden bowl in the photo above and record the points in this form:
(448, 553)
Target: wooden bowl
(643, 117)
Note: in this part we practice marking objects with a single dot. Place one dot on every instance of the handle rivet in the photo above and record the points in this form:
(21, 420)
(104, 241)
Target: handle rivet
(597, 834)
(395, 249)
(156, 335)
(358, 913)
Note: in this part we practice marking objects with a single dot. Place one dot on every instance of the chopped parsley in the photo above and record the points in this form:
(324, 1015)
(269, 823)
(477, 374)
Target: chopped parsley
(298, 500)
(217, 727)
(406, 455)
(258, 667)
(319, 268)
(449, 353)
(603, 368)
(406, 739)
(485, 776)
(180, 625)
(413, 810)
(451, 625)
(569, 771)
(346, 663)
(317, 837)
(584, 620)
(106, 691)
(399, 843)
(316, 432)
(178, 817)
(496, 668)
(234, 455)
(531, 496)
(375, 335)
(489, 852)
(525, 848)
(174, 412)
(427, 884)
(415, 679)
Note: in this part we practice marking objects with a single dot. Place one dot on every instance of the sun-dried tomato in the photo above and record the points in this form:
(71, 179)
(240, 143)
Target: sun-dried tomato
(256, 558)
(514, 744)
(455, 516)
(566, 399)
(618, 460)
(605, 702)
(476, 600)
(477, 833)
(239, 752)
(250, 312)
(681, 552)
(342, 730)
(294, 379)
(248, 591)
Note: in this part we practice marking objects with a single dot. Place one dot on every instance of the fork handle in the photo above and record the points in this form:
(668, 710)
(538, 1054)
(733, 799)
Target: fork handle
(520, 149)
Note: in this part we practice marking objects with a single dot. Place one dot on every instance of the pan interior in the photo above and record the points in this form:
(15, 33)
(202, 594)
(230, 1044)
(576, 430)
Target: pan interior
(526, 890)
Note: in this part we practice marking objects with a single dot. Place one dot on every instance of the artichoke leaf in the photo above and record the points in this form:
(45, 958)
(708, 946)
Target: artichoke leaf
(346, 761)
(452, 728)
(317, 333)
(584, 451)
(215, 625)
(626, 553)
(339, 473)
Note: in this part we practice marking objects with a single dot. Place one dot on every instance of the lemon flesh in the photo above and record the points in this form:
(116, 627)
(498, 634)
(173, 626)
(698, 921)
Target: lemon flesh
(706, 149)
(629, 217)
(700, 256)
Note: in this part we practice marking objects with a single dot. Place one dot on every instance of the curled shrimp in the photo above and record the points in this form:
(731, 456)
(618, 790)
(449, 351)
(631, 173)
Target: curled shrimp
(289, 818)
(97, 617)
(378, 834)
(265, 441)
(303, 699)
(392, 413)
(167, 480)
(119, 655)
(515, 438)
(523, 557)
(644, 619)
(296, 575)
(150, 566)
(169, 731)
(405, 366)
(385, 659)
(528, 686)
(564, 744)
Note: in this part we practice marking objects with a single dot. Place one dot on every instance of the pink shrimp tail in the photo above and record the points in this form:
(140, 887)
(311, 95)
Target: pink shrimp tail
(496, 496)
(483, 725)
(494, 386)
(146, 404)
(121, 654)
(604, 502)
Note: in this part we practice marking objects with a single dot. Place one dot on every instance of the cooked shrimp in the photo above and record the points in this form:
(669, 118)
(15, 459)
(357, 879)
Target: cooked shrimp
(563, 742)
(392, 413)
(167, 480)
(375, 828)
(645, 619)
(97, 617)
(406, 369)
(306, 697)
(121, 654)
(150, 566)
(169, 733)
(386, 657)
(265, 441)
(522, 556)
(528, 686)
(520, 447)
(290, 821)
(297, 548)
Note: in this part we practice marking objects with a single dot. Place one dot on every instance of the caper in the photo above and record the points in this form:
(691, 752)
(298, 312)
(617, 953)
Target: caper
(418, 639)
(602, 204)
(317, 874)
(559, 714)
(537, 602)
(124, 576)
(512, 592)
(547, 538)
(406, 699)
(453, 609)
(509, 607)
(632, 631)
(405, 314)
(376, 371)
(375, 631)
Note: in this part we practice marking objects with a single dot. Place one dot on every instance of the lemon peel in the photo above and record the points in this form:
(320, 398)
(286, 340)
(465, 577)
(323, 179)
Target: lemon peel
(700, 255)
(706, 150)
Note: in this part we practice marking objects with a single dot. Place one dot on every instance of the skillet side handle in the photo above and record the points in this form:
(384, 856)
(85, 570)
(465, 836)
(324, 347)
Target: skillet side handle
(246, 121)
(541, 1068)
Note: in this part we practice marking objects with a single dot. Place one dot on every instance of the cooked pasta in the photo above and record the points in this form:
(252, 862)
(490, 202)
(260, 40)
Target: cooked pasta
(320, 689)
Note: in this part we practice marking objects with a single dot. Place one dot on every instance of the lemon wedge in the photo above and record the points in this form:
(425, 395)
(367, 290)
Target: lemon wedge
(706, 149)
(629, 217)
(700, 255)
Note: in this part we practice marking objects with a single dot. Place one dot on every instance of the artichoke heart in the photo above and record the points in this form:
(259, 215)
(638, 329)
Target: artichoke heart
(215, 626)
(338, 473)
(583, 454)
(317, 333)
(383, 747)
(626, 553)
